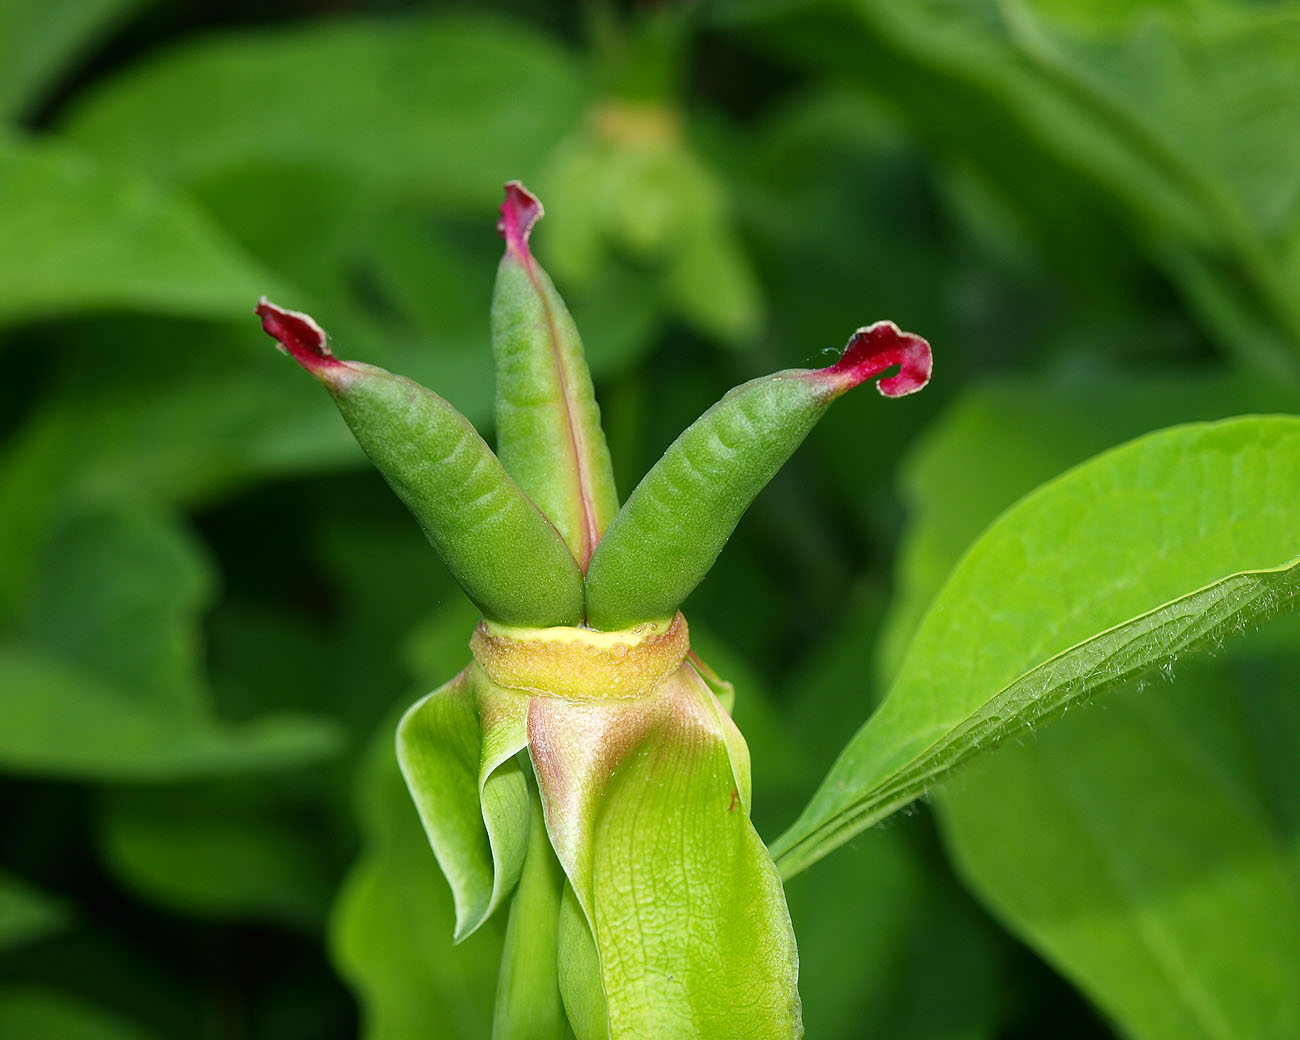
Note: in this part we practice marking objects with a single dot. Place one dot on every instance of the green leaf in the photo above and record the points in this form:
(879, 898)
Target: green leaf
(1162, 820)
(1166, 124)
(393, 922)
(549, 436)
(78, 236)
(31, 1011)
(648, 816)
(39, 38)
(1154, 875)
(1165, 545)
(447, 108)
(59, 720)
(456, 748)
(217, 850)
(102, 677)
(26, 913)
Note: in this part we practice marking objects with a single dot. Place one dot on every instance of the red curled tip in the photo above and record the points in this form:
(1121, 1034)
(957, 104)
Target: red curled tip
(520, 211)
(298, 335)
(877, 347)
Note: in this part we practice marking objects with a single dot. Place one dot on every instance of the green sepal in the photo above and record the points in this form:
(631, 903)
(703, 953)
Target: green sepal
(646, 805)
(500, 548)
(549, 436)
(456, 748)
(528, 1004)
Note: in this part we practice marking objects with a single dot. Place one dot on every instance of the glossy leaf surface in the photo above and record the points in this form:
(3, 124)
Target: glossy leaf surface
(79, 235)
(1168, 544)
(378, 109)
(1157, 822)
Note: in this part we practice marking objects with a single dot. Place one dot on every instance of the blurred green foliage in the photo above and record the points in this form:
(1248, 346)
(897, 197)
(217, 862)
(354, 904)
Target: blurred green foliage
(210, 610)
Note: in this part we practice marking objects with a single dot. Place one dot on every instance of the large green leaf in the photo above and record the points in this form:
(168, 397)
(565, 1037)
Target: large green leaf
(448, 108)
(1166, 122)
(219, 849)
(1119, 840)
(78, 235)
(102, 675)
(456, 747)
(1135, 848)
(1167, 544)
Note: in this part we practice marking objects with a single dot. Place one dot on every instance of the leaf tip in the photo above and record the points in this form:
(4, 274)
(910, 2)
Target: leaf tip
(519, 212)
(873, 349)
(299, 336)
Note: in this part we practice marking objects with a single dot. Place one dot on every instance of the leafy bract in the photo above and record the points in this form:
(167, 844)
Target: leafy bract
(456, 747)
(528, 1004)
(1166, 544)
(647, 807)
(78, 236)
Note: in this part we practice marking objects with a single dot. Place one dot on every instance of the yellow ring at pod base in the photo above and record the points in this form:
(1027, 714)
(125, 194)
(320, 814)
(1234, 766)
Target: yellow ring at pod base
(582, 663)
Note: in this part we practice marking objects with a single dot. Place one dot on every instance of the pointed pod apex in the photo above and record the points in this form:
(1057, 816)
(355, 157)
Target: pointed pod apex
(875, 348)
(299, 336)
(520, 211)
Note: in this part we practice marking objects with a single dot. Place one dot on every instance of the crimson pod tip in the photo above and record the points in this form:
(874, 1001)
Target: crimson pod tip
(299, 336)
(519, 212)
(875, 348)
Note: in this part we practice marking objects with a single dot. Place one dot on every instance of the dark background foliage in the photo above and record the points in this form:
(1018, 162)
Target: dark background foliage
(211, 610)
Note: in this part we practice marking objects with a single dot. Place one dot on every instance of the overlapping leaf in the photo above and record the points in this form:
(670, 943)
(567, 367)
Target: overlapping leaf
(1168, 544)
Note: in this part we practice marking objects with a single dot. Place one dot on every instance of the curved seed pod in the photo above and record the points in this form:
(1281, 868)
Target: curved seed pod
(667, 535)
(504, 553)
(548, 424)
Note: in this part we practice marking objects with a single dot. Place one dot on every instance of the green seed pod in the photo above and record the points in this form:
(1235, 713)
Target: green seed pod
(548, 424)
(666, 537)
(505, 554)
